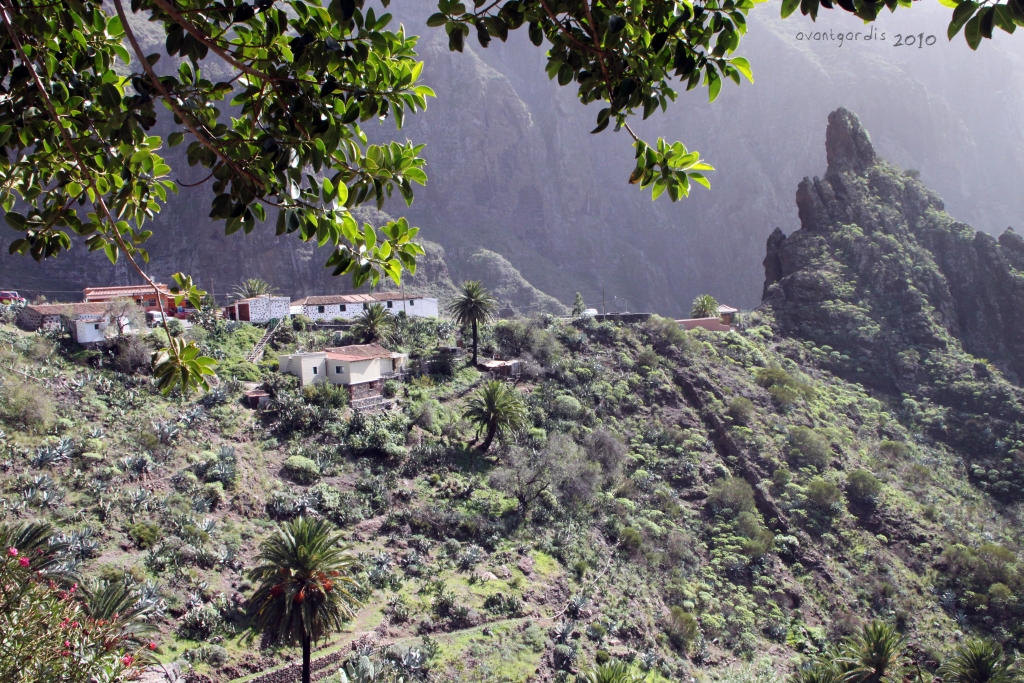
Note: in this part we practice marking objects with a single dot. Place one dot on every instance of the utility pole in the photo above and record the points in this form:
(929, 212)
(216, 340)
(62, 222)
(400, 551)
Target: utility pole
(604, 309)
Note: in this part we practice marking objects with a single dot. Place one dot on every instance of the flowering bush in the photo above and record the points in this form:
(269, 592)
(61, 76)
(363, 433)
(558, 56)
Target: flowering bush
(46, 636)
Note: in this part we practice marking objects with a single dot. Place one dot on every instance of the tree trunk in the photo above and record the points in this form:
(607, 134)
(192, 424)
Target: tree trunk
(306, 648)
(474, 354)
(491, 431)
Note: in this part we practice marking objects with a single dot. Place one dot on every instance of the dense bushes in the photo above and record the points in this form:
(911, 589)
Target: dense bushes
(863, 487)
(731, 496)
(807, 447)
(301, 470)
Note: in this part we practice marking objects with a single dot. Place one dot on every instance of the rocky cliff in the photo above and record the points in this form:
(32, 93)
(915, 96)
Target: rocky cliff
(888, 290)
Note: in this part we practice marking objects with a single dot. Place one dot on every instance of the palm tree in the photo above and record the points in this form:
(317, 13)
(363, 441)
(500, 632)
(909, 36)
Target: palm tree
(496, 408)
(872, 655)
(979, 661)
(473, 306)
(253, 286)
(615, 672)
(374, 324)
(704, 306)
(119, 605)
(305, 581)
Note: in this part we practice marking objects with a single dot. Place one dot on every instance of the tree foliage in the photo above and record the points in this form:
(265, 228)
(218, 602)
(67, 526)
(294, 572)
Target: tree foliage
(496, 408)
(473, 306)
(374, 324)
(304, 573)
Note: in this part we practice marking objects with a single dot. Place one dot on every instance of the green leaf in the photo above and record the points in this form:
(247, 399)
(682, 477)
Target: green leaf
(789, 6)
(714, 85)
(972, 32)
(743, 66)
(961, 16)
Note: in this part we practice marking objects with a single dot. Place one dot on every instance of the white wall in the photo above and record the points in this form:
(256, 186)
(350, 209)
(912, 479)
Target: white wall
(419, 308)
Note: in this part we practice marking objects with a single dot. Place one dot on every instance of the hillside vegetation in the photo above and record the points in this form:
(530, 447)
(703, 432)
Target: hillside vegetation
(691, 504)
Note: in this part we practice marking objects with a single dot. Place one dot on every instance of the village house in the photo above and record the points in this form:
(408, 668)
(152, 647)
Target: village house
(723, 323)
(259, 309)
(143, 295)
(88, 322)
(350, 306)
(360, 367)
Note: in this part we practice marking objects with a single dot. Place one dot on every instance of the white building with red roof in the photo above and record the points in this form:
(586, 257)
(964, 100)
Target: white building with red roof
(361, 367)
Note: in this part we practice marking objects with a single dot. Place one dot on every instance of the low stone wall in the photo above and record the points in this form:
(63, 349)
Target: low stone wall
(322, 667)
(624, 317)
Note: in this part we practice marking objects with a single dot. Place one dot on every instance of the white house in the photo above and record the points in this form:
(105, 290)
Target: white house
(88, 321)
(349, 306)
(259, 309)
(360, 367)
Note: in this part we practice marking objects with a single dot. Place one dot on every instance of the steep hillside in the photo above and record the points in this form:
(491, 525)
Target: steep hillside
(684, 502)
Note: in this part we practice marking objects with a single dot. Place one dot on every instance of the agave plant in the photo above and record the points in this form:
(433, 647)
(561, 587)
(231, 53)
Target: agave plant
(470, 557)
(165, 432)
(614, 672)
(577, 603)
(563, 631)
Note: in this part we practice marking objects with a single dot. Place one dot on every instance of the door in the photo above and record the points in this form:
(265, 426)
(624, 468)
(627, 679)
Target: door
(243, 312)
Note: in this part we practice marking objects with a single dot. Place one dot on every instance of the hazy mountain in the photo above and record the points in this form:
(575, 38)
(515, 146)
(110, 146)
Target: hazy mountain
(513, 169)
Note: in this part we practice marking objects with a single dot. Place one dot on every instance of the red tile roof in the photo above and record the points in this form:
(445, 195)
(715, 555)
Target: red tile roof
(356, 352)
(73, 308)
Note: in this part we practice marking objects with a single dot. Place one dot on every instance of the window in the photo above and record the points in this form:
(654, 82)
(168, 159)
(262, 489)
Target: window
(319, 309)
(366, 306)
(151, 302)
(96, 326)
(314, 369)
(339, 369)
(341, 308)
(412, 302)
(390, 304)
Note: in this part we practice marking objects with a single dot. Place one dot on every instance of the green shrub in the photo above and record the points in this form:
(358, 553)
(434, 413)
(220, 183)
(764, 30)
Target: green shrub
(666, 332)
(824, 496)
(27, 405)
(301, 470)
(741, 410)
(647, 358)
(144, 534)
(863, 487)
(783, 387)
(214, 492)
(781, 477)
(809, 447)
(682, 628)
(602, 657)
(731, 496)
(566, 406)
(241, 370)
(893, 449)
(301, 322)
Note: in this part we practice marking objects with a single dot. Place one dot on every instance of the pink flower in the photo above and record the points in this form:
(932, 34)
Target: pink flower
(152, 646)
(12, 551)
(127, 660)
(23, 562)
(67, 643)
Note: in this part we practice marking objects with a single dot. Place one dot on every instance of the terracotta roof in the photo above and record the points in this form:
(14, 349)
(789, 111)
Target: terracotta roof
(727, 309)
(359, 352)
(347, 357)
(73, 308)
(353, 298)
(129, 290)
